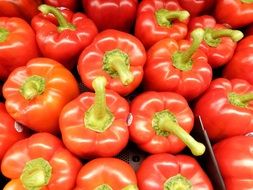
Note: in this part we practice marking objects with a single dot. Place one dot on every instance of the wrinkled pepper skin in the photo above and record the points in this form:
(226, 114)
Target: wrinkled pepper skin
(166, 171)
(226, 108)
(64, 38)
(25, 9)
(235, 160)
(70, 4)
(10, 131)
(40, 161)
(150, 24)
(17, 44)
(106, 172)
(177, 66)
(111, 14)
(36, 93)
(219, 41)
(157, 120)
(196, 7)
(116, 55)
(235, 13)
(95, 124)
(241, 64)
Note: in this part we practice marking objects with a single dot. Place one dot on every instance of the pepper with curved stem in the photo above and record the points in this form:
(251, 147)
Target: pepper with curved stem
(165, 17)
(212, 36)
(98, 118)
(166, 122)
(226, 108)
(182, 60)
(63, 23)
(116, 63)
(157, 127)
(240, 100)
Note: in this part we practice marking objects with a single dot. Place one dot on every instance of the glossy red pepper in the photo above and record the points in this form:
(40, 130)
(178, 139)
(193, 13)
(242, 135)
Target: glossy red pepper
(10, 131)
(219, 42)
(17, 44)
(235, 159)
(241, 64)
(106, 174)
(196, 7)
(36, 93)
(236, 13)
(64, 41)
(70, 4)
(111, 14)
(159, 19)
(25, 9)
(166, 171)
(178, 67)
(95, 125)
(116, 55)
(40, 162)
(161, 123)
(226, 108)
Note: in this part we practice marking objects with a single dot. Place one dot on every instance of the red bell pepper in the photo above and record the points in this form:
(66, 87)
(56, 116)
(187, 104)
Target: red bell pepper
(116, 55)
(64, 41)
(166, 171)
(161, 123)
(106, 174)
(236, 13)
(219, 42)
(36, 93)
(235, 159)
(159, 19)
(111, 14)
(178, 67)
(25, 9)
(70, 4)
(40, 162)
(226, 108)
(241, 64)
(196, 7)
(10, 131)
(95, 125)
(17, 44)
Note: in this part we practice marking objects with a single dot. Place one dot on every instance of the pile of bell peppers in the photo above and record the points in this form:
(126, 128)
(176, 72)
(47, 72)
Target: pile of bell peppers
(83, 80)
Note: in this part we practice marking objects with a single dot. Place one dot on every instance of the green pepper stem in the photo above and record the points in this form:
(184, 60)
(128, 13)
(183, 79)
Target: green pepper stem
(3, 34)
(36, 174)
(212, 36)
(164, 17)
(182, 60)
(125, 75)
(32, 87)
(116, 63)
(130, 187)
(63, 23)
(235, 35)
(100, 101)
(247, 1)
(98, 118)
(240, 100)
(103, 187)
(170, 126)
(246, 97)
(177, 182)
